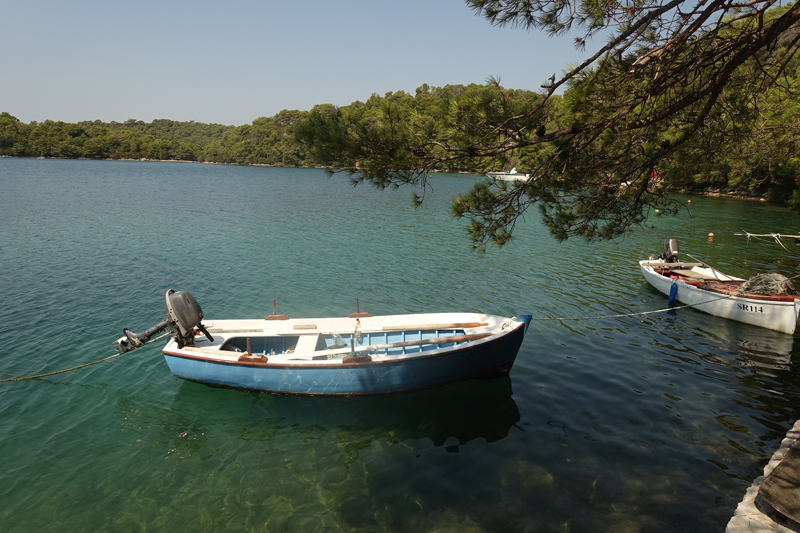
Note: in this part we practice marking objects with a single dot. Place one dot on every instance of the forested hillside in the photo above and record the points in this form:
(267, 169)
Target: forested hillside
(267, 141)
(272, 140)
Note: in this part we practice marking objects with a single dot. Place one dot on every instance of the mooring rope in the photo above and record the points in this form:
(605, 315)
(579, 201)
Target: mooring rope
(776, 236)
(80, 366)
(633, 314)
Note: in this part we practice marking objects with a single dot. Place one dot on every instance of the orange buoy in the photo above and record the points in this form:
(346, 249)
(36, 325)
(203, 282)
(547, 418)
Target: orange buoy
(710, 234)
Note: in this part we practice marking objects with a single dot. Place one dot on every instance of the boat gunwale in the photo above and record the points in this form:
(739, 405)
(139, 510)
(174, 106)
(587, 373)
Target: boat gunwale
(702, 285)
(310, 363)
(788, 298)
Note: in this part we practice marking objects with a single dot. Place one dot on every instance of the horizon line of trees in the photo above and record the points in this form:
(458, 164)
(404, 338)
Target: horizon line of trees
(272, 140)
(265, 141)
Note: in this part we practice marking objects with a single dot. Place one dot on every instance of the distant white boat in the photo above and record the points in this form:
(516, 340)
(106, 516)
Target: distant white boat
(709, 290)
(511, 175)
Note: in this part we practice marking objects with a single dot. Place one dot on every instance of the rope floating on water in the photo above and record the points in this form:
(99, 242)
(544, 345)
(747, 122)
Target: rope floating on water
(61, 371)
(632, 314)
(76, 367)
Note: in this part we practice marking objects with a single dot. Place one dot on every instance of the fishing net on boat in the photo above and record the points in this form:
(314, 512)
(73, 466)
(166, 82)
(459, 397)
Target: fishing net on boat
(771, 284)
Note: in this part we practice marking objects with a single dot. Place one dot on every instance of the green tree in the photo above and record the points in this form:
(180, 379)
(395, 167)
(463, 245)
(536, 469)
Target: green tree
(673, 81)
(13, 135)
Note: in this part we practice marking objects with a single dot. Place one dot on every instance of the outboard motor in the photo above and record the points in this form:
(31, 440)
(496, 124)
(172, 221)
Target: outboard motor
(183, 317)
(670, 251)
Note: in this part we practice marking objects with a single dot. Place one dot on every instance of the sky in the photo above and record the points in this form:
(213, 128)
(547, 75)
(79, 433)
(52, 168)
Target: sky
(234, 61)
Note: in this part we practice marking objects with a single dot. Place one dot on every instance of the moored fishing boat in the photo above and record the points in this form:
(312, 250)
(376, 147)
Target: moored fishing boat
(709, 290)
(359, 354)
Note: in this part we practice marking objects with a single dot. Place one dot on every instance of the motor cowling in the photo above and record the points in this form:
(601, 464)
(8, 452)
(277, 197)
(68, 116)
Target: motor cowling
(670, 251)
(183, 311)
(184, 316)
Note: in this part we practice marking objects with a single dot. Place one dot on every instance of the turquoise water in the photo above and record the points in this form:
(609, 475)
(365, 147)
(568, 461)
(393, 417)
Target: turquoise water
(643, 423)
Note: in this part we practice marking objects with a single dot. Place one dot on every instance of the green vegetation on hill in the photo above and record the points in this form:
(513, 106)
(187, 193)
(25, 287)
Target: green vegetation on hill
(267, 141)
(454, 117)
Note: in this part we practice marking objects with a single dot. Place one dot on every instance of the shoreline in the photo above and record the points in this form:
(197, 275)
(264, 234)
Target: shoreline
(710, 192)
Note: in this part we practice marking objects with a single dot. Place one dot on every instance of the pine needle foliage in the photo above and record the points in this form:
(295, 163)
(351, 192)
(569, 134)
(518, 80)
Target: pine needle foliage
(675, 81)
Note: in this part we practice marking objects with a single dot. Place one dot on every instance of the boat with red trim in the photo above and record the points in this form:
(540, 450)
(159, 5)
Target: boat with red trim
(709, 290)
(358, 354)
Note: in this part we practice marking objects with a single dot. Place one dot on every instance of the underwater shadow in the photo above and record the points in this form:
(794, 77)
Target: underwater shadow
(481, 408)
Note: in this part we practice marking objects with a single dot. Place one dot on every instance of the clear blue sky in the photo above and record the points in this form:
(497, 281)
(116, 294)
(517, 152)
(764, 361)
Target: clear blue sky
(234, 61)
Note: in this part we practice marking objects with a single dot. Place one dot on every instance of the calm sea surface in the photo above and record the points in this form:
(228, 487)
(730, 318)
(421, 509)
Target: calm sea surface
(647, 423)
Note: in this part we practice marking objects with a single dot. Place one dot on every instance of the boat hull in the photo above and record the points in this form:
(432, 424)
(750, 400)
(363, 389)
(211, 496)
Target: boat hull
(487, 357)
(507, 176)
(777, 315)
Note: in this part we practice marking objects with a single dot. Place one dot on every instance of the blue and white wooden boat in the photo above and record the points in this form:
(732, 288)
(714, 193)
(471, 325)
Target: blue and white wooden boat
(359, 354)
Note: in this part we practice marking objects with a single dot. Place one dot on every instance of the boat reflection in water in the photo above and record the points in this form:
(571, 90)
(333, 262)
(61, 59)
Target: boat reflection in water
(763, 351)
(449, 416)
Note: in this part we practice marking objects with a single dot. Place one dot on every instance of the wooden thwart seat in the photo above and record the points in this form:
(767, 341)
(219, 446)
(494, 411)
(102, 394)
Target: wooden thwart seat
(671, 266)
(691, 274)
